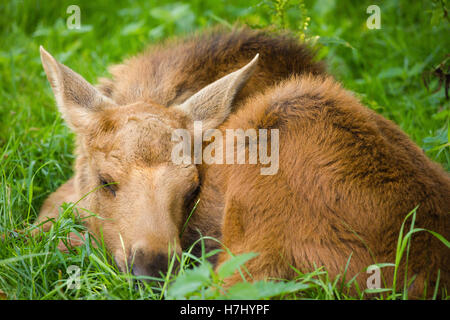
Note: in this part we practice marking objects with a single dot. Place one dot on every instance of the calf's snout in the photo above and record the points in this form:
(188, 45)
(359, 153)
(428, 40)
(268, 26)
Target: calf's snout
(153, 264)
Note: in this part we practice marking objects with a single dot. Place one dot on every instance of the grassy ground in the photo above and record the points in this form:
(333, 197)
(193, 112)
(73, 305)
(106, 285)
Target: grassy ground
(384, 67)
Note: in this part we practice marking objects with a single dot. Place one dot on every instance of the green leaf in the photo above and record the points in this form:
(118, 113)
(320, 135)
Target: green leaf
(262, 289)
(393, 72)
(381, 290)
(242, 291)
(132, 28)
(336, 41)
(272, 289)
(21, 258)
(231, 265)
(435, 17)
(441, 238)
(190, 281)
(416, 69)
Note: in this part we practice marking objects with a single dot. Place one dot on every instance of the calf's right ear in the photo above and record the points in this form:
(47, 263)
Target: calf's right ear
(76, 98)
(212, 104)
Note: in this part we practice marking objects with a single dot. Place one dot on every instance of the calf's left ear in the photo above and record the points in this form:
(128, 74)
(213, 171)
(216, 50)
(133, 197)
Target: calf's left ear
(212, 104)
(76, 98)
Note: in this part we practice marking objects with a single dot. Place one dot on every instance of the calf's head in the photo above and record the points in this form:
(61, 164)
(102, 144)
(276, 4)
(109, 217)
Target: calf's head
(124, 162)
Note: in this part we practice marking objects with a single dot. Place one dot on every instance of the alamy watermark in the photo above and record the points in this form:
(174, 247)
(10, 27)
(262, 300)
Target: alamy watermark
(74, 280)
(231, 150)
(374, 20)
(374, 280)
(74, 20)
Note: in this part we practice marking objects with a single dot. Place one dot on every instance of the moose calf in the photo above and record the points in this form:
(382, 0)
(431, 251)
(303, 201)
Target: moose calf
(346, 177)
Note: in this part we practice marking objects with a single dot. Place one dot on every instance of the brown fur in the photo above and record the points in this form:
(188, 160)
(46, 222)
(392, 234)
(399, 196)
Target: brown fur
(347, 179)
(347, 176)
(170, 73)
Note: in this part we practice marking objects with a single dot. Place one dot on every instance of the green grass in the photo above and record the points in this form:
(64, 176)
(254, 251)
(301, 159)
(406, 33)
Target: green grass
(383, 67)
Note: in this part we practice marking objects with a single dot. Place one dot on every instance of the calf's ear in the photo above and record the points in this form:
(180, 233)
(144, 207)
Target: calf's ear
(76, 98)
(212, 104)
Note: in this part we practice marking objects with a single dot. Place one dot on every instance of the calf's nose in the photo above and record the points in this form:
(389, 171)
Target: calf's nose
(151, 264)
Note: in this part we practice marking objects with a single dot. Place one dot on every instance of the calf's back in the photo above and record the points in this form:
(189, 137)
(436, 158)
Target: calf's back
(347, 179)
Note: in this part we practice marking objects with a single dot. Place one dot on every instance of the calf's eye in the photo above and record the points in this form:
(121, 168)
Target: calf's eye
(108, 185)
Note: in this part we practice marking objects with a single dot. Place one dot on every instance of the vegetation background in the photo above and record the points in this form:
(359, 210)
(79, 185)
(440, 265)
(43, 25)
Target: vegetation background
(394, 70)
